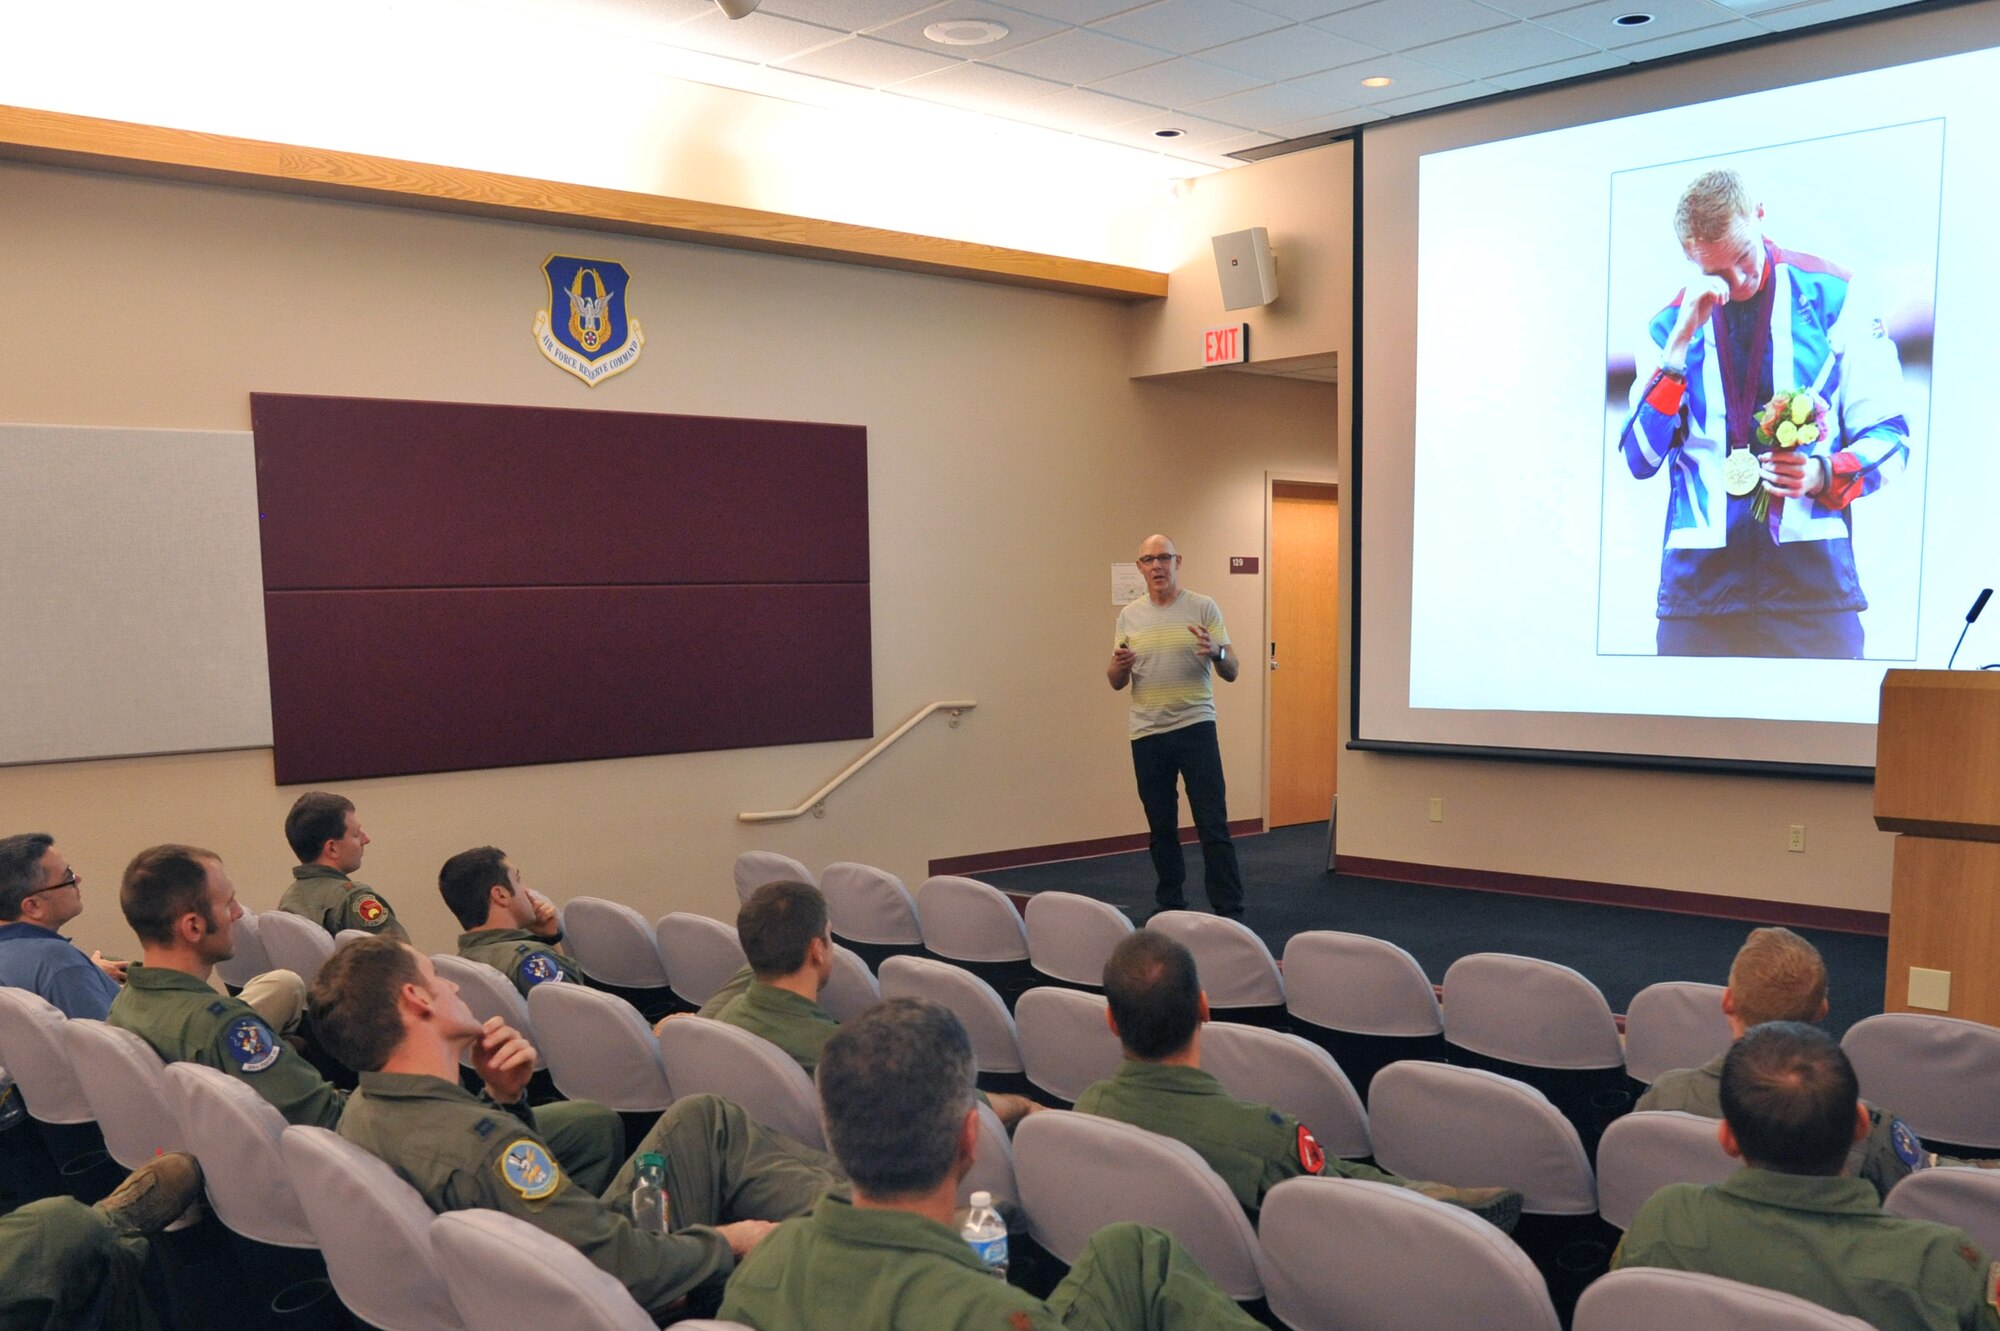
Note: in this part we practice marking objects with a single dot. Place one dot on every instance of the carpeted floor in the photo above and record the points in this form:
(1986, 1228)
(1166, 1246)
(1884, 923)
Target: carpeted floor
(1621, 949)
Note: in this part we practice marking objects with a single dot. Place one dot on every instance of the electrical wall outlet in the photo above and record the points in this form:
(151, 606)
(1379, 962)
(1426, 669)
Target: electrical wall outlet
(1437, 808)
(1795, 840)
(1930, 989)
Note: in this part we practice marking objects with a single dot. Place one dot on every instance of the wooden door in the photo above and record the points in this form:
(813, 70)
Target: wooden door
(1305, 553)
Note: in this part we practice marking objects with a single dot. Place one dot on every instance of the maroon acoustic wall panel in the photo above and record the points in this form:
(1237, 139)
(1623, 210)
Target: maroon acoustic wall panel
(451, 586)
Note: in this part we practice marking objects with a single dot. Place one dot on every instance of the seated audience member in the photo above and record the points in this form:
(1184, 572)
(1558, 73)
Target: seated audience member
(789, 943)
(39, 894)
(64, 1264)
(1789, 1220)
(180, 902)
(327, 837)
(507, 927)
(897, 1096)
(1779, 976)
(381, 1007)
(1157, 1009)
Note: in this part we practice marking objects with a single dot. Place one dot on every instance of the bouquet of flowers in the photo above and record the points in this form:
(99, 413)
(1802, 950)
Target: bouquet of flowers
(1794, 419)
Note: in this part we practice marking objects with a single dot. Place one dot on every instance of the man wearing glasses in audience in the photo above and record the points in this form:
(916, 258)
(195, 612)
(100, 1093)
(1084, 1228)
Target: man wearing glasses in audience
(39, 894)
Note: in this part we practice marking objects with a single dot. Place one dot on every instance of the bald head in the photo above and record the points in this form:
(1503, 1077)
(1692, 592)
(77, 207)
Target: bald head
(1160, 562)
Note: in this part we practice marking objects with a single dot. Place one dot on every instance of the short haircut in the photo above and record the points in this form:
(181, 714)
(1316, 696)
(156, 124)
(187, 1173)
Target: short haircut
(317, 817)
(162, 884)
(466, 880)
(1777, 976)
(1789, 1095)
(353, 1000)
(1712, 203)
(895, 1085)
(21, 870)
(776, 926)
(1155, 994)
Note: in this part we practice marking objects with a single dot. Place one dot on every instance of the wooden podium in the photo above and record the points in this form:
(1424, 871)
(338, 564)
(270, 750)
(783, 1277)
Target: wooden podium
(1937, 782)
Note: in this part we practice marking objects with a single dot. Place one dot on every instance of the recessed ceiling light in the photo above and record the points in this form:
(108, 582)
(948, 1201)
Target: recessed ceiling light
(1378, 81)
(1169, 133)
(965, 31)
(1633, 20)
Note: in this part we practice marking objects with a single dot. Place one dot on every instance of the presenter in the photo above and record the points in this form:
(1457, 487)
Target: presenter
(1774, 400)
(1170, 641)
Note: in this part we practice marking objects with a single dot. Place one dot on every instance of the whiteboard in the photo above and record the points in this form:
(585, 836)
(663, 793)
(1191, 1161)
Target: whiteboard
(131, 593)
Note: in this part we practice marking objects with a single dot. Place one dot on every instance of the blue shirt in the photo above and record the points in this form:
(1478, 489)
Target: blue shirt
(44, 962)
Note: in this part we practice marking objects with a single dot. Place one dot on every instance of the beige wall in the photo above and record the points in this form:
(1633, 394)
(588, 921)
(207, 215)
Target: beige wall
(1012, 460)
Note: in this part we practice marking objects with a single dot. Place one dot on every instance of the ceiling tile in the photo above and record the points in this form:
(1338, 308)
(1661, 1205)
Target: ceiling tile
(980, 87)
(1073, 11)
(1820, 11)
(1698, 39)
(1021, 29)
(644, 19)
(1558, 70)
(1531, 8)
(1082, 109)
(1287, 53)
(1398, 25)
(867, 62)
(1077, 55)
(1424, 101)
(1278, 104)
(1177, 83)
(761, 38)
(1196, 133)
(1411, 77)
(1239, 143)
(1519, 46)
(848, 15)
(1305, 9)
(1353, 115)
(1190, 25)
(1592, 23)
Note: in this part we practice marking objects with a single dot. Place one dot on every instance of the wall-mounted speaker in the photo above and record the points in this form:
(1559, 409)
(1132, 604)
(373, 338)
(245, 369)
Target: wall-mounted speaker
(1244, 266)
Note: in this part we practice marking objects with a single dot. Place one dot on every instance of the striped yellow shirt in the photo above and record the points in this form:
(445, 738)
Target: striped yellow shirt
(1171, 686)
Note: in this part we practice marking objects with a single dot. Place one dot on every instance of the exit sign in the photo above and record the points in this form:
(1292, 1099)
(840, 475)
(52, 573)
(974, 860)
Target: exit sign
(1228, 345)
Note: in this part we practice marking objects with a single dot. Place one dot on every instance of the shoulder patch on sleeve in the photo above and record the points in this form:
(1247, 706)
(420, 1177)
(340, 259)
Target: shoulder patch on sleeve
(369, 909)
(1311, 1156)
(1993, 1287)
(539, 968)
(1908, 1149)
(1020, 1321)
(528, 1170)
(251, 1043)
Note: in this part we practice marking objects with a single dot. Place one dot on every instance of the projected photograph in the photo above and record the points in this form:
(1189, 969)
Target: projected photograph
(1767, 391)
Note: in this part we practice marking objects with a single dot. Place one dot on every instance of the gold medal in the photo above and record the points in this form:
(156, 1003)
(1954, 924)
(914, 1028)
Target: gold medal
(1740, 472)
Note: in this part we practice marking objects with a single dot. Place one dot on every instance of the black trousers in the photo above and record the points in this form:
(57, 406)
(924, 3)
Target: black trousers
(1160, 762)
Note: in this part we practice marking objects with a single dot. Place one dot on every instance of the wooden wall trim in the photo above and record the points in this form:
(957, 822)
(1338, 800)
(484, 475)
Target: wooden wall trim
(55, 138)
(1072, 850)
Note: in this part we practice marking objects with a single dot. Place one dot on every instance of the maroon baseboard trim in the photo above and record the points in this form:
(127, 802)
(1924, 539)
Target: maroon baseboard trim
(1839, 919)
(1071, 850)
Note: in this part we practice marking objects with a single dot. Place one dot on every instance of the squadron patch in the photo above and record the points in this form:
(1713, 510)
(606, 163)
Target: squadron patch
(528, 1170)
(1993, 1286)
(1020, 1321)
(1908, 1149)
(370, 909)
(541, 967)
(1311, 1155)
(251, 1043)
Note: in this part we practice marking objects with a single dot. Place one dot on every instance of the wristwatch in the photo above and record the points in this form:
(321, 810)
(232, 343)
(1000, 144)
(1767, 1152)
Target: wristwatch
(1221, 655)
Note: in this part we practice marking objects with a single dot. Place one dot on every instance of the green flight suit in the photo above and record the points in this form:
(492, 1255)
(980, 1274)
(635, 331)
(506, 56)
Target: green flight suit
(796, 1025)
(1823, 1239)
(526, 958)
(1253, 1147)
(844, 1267)
(738, 984)
(333, 901)
(1890, 1152)
(462, 1153)
(64, 1264)
(185, 1021)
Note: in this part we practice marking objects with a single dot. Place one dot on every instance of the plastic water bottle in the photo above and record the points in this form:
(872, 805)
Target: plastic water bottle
(987, 1234)
(649, 1196)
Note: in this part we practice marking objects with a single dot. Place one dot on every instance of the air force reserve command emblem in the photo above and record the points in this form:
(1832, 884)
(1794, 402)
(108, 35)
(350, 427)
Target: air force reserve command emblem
(588, 328)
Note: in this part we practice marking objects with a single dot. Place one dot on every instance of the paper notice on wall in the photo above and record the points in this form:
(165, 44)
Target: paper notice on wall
(1127, 584)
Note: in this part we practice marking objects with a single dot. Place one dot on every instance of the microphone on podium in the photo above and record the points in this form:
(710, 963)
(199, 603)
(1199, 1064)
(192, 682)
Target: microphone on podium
(1970, 615)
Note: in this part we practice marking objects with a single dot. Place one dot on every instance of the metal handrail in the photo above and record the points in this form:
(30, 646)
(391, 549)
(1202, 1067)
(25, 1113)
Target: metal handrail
(815, 803)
